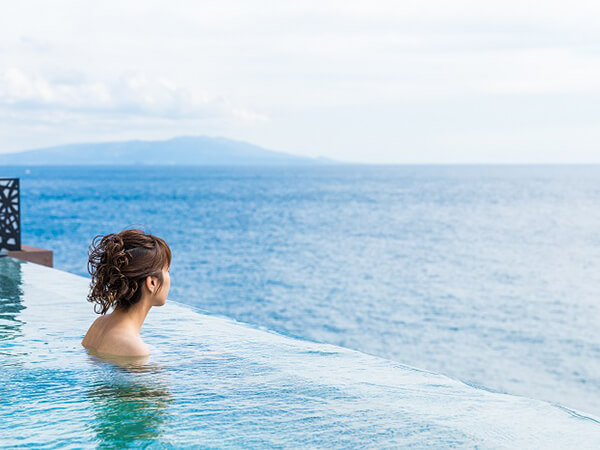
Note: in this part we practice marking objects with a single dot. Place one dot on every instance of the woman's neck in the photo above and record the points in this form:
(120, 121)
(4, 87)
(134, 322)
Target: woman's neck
(134, 316)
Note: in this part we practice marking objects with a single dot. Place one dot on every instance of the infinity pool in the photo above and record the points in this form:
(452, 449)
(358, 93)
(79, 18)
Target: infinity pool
(217, 383)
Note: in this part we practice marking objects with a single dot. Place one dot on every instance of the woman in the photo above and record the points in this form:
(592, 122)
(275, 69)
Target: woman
(130, 273)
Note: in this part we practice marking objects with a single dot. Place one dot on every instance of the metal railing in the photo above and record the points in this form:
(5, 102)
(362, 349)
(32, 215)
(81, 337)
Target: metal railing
(10, 215)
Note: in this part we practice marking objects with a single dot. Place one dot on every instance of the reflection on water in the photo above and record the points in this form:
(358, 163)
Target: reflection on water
(11, 298)
(129, 363)
(129, 402)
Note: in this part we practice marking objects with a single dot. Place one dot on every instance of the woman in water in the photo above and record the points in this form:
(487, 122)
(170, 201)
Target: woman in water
(130, 273)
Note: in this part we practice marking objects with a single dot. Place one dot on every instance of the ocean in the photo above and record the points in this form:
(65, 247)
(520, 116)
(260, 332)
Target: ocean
(487, 274)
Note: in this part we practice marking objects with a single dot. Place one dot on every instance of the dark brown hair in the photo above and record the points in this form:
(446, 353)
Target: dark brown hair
(119, 264)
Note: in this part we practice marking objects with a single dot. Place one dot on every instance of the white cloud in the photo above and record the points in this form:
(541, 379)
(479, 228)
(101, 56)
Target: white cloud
(131, 95)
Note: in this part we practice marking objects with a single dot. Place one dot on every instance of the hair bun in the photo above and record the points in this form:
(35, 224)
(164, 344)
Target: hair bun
(107, 261)
(115, 251)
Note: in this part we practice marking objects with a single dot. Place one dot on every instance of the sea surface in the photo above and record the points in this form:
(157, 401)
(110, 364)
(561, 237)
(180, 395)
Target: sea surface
(487, 274)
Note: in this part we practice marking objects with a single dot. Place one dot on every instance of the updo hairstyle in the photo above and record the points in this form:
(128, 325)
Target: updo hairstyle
(119, 264)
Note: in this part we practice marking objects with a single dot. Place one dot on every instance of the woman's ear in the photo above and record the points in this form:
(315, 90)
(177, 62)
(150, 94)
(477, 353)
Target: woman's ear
(151, 284)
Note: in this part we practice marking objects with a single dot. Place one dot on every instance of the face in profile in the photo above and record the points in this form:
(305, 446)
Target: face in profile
(160, 297)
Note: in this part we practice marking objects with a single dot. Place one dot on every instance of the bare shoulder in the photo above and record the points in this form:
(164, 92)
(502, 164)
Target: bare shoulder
(123, 344)
(103, 337)
(94, 333)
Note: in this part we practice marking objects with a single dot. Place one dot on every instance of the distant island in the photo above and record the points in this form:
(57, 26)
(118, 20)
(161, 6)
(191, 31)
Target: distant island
(184, 150)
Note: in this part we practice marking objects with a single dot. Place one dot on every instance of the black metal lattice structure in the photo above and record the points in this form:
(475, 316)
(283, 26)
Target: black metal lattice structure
(10, 214)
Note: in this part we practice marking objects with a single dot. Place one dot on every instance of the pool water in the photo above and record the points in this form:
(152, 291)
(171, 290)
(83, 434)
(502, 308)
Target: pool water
(215, 382)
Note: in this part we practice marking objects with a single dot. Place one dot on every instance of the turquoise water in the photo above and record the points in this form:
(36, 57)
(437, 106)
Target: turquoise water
(217, 383)
(487, 274)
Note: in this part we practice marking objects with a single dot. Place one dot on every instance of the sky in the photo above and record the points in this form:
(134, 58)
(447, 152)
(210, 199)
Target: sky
(363, 81)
